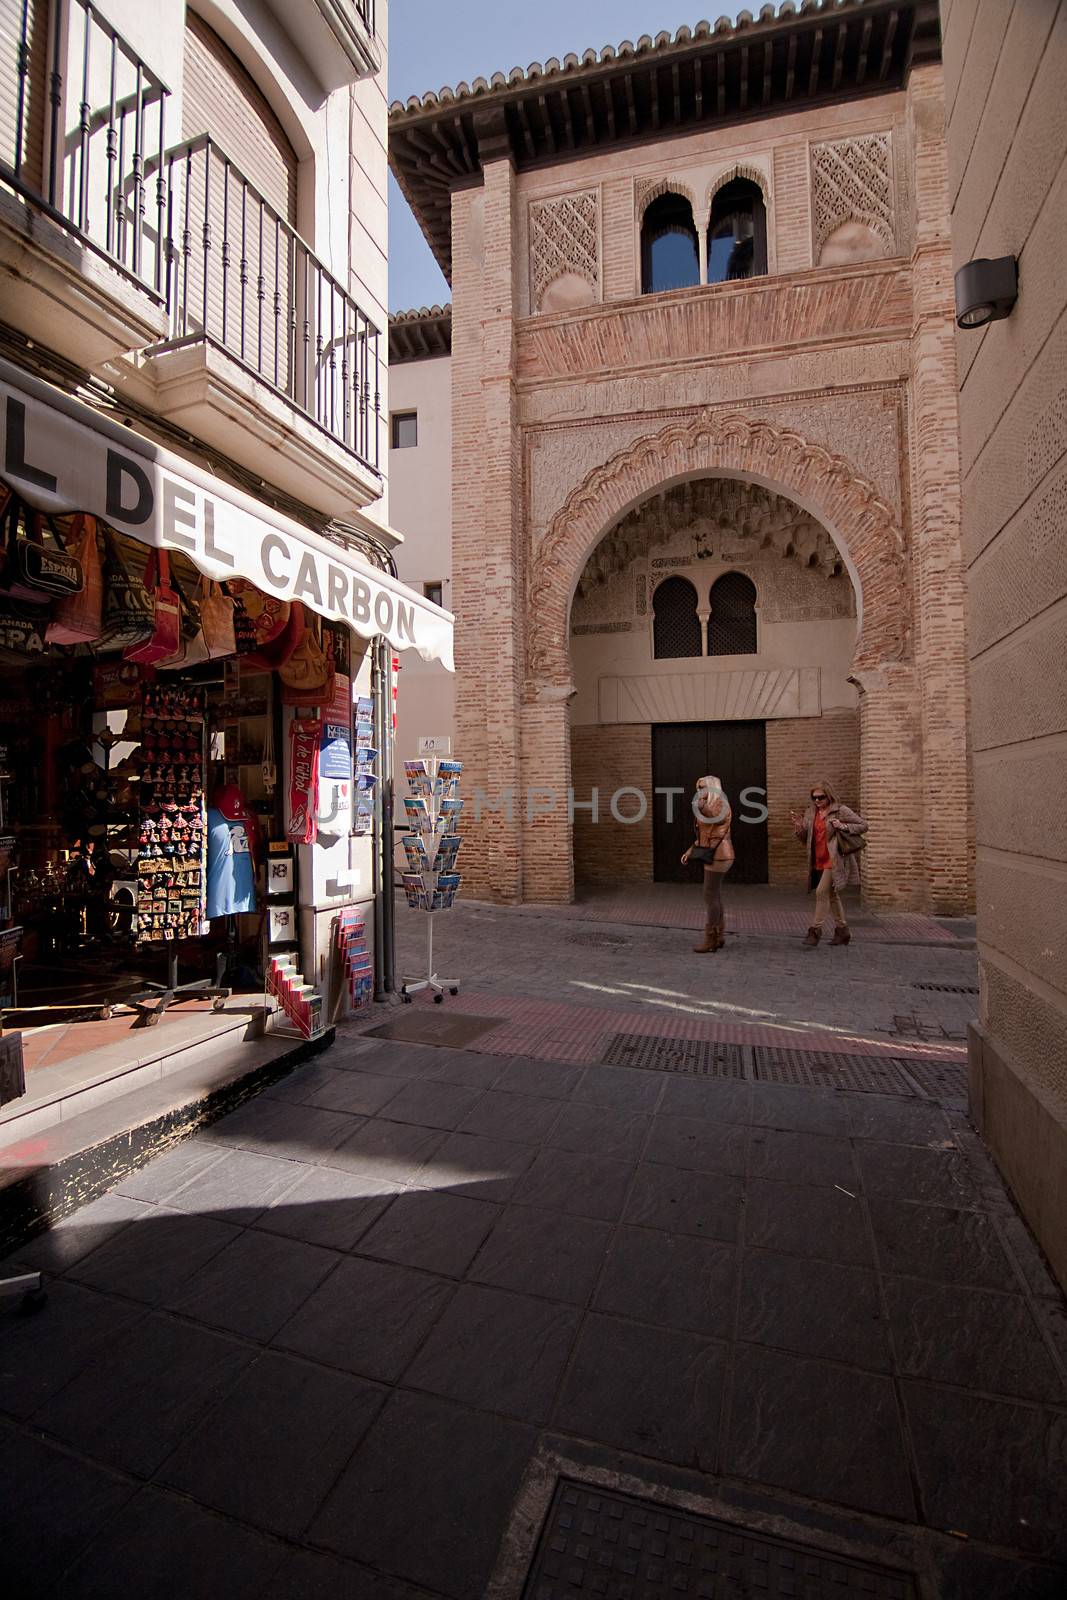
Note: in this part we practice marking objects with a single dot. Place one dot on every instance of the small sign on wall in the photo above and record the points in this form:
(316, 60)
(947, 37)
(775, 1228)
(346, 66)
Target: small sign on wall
(435, 744)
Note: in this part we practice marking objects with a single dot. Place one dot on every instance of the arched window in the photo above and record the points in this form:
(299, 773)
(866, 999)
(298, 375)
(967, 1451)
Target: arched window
(670, 258)
(675, 624)
(732, 625)
(737, 232)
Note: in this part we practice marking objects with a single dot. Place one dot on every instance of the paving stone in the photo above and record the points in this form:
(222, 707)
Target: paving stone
(597, 1130)
(426, 1495)
(53, 1506)
(392, 1152)
(254, 1285)
(967, 1573)
(236, 1188)
(722, 1099)
(1028, 1258)
(975, 1338)
(698, 1144)
(328, 1206)
(273, 1128)
(310, 1575)
(498, 1351)
(72, 1239)
(550, 1079)
(992, 1469)
(619, 1088)
(39, 1355)
(134, 1402)
(388, 1057)
(469, 1067)
(704, 1204)
(906, 1172)
(153, 1259)
(177, 1551)
(671, 1279)
(160, 1177)
(358, 1093)
(583, 1186)
(816, 1308)
(431, 1103)
(654, 1391)
(440, 1232)
(817, 1429)
(369, 1317)
(473, 1164)
(543, 1253)
(897, 1121)
(244, 1461)
(940, 1242)
(526, 1118)
(777, 1105)
(802, 1158)
(820, 1223)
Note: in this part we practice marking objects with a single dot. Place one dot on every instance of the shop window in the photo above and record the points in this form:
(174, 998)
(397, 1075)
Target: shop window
(732, 624)
(670, 258)
(434, 592)
(737, 233)
(675, 624)
(405, 429)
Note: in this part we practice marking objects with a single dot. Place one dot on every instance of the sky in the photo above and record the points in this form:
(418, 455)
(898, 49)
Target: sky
(439, 43)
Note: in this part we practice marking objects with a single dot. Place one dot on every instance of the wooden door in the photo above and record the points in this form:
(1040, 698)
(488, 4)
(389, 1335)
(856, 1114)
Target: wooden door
(682, 752)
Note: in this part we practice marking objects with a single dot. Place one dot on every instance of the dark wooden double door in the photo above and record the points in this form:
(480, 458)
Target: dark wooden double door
(682, 752)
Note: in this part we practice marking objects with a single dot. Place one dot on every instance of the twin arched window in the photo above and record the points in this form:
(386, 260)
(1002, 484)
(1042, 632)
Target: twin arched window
(677, 629)
(673, 255)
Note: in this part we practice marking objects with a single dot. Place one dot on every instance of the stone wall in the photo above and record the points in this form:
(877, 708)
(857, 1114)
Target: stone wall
(802, 751)
(608, 759)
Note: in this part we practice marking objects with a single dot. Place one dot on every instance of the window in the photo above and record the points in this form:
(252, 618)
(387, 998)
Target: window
(675, 624)
(737, 233)
(434, 592)
(670, 258)
(732, 625)
(405, 429)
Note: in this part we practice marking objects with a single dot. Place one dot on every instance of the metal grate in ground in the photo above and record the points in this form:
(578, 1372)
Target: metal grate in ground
(946, 988)
(942, 1080)
(702, 1057)
(424, 1025)
(597, 1542)
(600, 939)
(827, 1069)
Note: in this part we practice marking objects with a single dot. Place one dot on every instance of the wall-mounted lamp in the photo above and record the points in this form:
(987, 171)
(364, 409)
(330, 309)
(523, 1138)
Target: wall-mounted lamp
(986, 291)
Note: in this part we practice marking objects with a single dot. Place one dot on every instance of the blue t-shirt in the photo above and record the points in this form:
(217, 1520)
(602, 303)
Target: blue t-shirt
(231, 874)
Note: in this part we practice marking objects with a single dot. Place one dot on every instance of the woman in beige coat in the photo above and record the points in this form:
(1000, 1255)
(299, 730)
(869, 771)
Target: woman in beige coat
(830, 868)
(711, 811)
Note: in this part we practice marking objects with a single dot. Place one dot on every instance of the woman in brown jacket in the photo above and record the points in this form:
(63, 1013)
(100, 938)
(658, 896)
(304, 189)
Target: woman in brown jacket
(712, 814)
(830, 868)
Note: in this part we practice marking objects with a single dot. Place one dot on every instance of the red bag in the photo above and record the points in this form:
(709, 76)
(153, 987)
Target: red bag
(166, 636)
(305, 737)
(79, 618)
(282, 647)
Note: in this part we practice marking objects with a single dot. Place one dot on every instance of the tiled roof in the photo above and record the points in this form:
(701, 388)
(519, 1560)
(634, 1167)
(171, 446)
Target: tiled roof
(420, 335)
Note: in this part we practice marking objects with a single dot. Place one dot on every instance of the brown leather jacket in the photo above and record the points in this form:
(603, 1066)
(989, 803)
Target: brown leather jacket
(710, 834)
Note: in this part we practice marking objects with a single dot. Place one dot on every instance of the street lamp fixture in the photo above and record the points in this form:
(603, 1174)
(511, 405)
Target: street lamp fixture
(986, 291)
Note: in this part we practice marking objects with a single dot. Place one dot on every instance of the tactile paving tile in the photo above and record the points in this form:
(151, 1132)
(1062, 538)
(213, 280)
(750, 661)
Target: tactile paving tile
(597, 1542)
(831, 1069)
(702, 1057)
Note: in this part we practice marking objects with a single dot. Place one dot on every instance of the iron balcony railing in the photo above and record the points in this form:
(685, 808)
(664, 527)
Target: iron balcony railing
(81, 150)
(240, 277)
(365, 12)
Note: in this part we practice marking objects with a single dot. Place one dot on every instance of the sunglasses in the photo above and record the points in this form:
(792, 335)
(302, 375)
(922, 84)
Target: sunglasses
(818, 797)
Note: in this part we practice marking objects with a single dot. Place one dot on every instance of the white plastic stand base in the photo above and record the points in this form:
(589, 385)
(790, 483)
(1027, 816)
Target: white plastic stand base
(411, 986)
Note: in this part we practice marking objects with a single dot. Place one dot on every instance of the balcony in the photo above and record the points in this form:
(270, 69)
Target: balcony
(335, 37)
(80, 223)
(267, 355)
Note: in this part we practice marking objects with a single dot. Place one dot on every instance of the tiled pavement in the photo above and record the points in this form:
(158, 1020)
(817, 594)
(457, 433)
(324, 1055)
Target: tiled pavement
(319, 1349)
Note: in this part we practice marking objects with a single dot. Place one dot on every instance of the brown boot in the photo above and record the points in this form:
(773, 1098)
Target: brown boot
(812, 937)
(842, 935)
(711, 942)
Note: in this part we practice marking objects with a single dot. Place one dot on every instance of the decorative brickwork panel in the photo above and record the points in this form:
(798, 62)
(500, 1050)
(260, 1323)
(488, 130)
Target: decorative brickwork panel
(852, 181)
(564, 238)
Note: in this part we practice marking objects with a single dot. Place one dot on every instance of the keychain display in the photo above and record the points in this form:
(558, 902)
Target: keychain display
(171, 862)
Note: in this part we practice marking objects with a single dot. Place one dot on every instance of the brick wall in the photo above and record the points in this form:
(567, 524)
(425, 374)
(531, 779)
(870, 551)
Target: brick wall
(608, 759)
(802, 751)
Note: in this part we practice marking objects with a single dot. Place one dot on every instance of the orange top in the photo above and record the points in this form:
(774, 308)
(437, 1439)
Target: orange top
(822, 851)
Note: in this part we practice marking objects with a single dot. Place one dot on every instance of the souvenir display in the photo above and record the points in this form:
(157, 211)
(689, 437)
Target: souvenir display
(305, 735)
(171, 859)
(431, 882)
(355, 960)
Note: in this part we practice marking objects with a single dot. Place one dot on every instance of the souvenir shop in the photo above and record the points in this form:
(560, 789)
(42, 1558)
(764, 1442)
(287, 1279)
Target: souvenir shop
(195, 716)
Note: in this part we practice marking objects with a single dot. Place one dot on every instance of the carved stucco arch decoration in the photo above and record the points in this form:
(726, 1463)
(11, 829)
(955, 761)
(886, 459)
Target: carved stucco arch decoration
(649, 189)
(739, 170)
(729, 444)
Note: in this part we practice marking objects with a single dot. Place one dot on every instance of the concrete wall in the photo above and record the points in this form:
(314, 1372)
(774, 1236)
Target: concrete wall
(1005, 68)
(421, 510)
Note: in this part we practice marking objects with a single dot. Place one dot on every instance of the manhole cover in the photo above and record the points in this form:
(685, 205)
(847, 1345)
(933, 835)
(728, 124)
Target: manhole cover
(829, 1069)
(700, 1056)
(601, 939)
(436, 1026)
(597, 1543)
(946, 988)
(942, 1080)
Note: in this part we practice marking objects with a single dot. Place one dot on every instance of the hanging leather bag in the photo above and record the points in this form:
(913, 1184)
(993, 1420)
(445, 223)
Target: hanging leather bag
(79, 618)
(306, 677)
(216, 620)
(129, 611)
(270, 657)
(167, 614)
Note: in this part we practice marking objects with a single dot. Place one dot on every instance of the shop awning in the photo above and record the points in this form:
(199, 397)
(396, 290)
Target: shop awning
(61, 455)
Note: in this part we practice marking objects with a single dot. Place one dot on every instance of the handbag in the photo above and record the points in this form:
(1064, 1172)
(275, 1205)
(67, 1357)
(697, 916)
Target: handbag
(129, 612)
(307, 679)
(22, 632)
(850, 844)
(701, 855)
(78, 619)
(34, 570)
(216, 619)
(167, 616)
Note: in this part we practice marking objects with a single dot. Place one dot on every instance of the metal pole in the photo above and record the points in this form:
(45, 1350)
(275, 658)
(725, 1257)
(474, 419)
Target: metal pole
(376, 834)
(385, 781)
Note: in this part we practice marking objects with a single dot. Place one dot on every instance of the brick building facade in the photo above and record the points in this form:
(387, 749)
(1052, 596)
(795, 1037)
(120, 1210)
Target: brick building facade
(811, 400)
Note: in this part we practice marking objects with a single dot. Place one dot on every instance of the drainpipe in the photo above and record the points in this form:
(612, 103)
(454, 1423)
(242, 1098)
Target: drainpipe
(384, 923)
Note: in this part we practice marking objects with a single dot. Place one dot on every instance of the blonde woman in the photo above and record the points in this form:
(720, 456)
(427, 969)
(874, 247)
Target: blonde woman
(832, 865)
(714, 851)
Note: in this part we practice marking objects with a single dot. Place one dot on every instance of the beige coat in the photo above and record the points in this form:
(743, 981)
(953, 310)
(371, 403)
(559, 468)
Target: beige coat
(845, 868)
